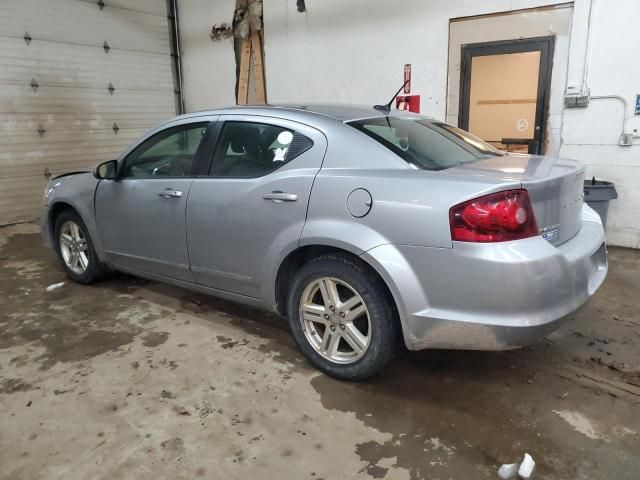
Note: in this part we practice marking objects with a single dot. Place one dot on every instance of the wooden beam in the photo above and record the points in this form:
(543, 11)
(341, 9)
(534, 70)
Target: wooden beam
(243, 80)
(258, 67)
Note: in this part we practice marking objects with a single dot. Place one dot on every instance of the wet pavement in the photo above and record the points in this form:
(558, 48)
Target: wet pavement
(133, 379)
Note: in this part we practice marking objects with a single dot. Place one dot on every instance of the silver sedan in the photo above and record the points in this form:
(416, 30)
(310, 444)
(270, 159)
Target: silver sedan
(367, 229)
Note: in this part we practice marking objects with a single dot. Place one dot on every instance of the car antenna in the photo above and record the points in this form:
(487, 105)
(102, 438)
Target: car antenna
(387, 107)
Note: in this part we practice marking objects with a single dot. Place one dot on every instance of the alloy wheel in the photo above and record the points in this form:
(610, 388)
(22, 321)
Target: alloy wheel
(335, 320)
(74, 247)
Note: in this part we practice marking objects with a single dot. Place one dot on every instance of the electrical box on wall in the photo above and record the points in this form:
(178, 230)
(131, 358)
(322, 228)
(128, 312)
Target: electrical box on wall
(576, 98)
(409, 103)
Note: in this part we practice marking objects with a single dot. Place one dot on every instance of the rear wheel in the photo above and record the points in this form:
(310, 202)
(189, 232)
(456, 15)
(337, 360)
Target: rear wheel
(342, 317)
(75, 248)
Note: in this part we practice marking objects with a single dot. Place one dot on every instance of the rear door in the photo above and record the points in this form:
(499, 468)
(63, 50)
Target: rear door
(253, 202)
(141, 214)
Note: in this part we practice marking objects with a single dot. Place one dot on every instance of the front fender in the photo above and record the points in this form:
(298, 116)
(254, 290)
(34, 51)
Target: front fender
(78, 192)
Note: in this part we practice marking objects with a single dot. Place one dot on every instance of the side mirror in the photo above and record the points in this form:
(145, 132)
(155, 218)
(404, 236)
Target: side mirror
(106, 170)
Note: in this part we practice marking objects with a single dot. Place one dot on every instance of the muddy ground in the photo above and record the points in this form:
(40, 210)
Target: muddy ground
(132, 379)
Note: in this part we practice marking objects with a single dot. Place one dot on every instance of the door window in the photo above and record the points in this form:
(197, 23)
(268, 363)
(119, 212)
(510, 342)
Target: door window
(170, 153)
(503, 98)
(504, 92)
(249, 149)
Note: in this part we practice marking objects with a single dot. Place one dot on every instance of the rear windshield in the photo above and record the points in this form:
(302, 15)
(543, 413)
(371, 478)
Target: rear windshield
(426, 144)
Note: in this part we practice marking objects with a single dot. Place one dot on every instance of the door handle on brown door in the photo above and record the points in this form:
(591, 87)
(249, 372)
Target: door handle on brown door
(278, 197)
(170, 193)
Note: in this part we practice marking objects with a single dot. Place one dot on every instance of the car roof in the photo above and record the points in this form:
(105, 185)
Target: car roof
(340, 112)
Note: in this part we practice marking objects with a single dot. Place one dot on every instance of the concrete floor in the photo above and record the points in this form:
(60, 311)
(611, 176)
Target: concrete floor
(131, 379)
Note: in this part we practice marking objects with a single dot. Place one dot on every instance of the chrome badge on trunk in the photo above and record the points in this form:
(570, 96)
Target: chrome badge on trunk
(551, 232)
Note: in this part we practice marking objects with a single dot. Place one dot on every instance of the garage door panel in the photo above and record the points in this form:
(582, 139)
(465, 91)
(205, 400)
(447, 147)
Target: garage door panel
(75, 125)
(45, 52)
(60, 162)
(71, 104)
(61, 140)
(82, 66)
(147, 6)
(17, 97)
(83, 23)
(26, 124)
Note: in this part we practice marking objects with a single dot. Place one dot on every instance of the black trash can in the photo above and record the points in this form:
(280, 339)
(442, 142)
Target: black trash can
(597, 194)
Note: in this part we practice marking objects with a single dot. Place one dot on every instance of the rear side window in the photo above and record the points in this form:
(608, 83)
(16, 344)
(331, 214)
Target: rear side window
(249, 149)
(426, 144)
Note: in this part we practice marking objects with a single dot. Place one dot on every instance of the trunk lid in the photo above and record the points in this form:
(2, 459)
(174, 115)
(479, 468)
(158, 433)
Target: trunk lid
(555, 186)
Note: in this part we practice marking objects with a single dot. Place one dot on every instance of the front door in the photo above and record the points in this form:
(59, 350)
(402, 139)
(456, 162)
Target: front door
(253, 203)
(141, 214)
(504, 92)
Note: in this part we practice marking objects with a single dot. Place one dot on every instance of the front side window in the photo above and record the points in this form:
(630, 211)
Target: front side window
(169, 153)
(424, 143)
(249, 149)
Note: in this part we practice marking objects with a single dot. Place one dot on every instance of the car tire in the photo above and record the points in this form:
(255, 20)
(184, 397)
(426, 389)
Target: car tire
(75, 249)
(377, 327)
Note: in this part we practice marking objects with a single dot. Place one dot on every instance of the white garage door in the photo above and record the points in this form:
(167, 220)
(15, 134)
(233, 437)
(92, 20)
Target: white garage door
(78, 83)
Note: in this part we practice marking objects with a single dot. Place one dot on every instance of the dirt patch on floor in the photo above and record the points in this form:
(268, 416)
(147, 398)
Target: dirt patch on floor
(132, 378)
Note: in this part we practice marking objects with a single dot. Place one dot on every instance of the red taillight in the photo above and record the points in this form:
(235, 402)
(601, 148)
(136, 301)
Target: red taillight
(497, 217)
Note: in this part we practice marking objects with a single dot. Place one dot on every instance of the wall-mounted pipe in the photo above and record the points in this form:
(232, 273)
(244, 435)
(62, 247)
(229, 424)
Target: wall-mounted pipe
(587, 51)
(176, 64)
(624, 141)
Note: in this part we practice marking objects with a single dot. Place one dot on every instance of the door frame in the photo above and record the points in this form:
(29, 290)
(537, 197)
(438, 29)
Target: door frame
(545, 45)
(258, 283)
(142, 262)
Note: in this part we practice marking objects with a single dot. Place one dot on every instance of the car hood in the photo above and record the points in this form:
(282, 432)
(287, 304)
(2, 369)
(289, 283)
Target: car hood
(66, 174)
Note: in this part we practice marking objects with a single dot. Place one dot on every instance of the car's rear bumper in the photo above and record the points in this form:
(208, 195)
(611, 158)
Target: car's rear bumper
(492, 296)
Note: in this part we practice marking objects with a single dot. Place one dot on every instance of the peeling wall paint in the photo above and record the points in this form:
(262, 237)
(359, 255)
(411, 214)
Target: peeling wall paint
(221, 31)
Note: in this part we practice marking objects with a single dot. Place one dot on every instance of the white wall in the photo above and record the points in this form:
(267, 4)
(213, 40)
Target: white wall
(354, 52)
(208, 67)
(591, 134)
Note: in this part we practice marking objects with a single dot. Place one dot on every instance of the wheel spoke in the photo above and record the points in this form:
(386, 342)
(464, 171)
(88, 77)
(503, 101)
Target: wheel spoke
(329, 291)
(313, 313)
(75, 231)
(330, 342)
(357, 311)
(354, 337)
(66, 239)
(353, 308)
(326, 338)
(83, 260)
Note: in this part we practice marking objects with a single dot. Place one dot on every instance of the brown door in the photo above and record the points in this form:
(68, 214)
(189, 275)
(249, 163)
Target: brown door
(504, 92)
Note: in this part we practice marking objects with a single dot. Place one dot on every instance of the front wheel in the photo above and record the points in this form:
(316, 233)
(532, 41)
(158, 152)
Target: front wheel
(342, 317)
(75, 248)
